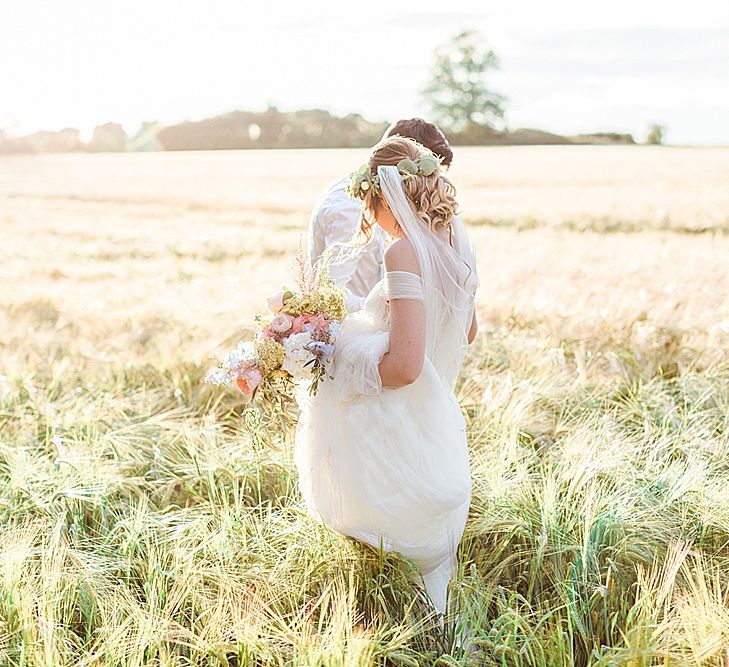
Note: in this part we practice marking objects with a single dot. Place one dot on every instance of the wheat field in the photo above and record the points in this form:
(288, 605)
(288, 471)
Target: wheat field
(148, 519)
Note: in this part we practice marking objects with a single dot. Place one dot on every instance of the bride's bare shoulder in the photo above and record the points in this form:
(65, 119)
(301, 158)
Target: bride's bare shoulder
(400, 256)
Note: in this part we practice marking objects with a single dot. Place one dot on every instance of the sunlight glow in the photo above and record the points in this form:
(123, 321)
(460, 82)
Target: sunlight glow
(565, 66)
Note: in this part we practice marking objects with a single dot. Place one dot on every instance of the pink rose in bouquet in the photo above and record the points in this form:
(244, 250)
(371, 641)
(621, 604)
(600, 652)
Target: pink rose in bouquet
(279, 328)
(248, 379)
(310, 323)
(281, 323)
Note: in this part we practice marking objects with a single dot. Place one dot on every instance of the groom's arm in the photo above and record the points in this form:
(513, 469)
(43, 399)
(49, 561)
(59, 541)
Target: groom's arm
(333, 221)
(340, 228)
(344, 257)
(340, 221)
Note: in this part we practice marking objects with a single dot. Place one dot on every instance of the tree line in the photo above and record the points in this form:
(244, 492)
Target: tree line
(458, 95)
(272, 128)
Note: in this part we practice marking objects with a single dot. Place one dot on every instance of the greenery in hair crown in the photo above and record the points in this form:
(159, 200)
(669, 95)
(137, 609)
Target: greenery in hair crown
(363, 180)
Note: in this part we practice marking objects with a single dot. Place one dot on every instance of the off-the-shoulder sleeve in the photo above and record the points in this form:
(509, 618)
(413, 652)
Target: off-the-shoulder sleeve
(403, 285)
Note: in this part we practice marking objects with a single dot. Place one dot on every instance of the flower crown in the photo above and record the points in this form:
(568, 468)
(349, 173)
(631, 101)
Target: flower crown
(363, 180)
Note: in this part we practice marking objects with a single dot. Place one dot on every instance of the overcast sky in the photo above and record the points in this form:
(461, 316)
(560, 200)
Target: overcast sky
(568, 66)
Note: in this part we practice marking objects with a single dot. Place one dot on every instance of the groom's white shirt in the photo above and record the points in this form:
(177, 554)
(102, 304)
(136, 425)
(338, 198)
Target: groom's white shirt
(333, 223)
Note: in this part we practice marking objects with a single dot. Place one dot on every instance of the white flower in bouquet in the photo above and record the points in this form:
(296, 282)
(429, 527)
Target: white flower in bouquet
(241, 354)
(321, 349)
(217, 376)
(298, 355)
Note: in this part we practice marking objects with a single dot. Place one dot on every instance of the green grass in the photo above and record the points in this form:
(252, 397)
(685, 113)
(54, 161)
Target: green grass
(141, 524)
(147, 519)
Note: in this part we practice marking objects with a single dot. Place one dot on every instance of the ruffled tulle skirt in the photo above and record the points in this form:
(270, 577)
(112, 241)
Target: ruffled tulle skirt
(386, 466)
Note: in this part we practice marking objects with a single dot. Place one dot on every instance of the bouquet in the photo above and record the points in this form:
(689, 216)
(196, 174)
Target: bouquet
(293, 344)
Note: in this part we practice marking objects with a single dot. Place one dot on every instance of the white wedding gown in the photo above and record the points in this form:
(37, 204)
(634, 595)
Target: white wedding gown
(390, 466)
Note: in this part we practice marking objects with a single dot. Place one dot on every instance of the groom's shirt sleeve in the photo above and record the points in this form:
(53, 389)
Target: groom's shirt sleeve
(333, 220)
(333, 224)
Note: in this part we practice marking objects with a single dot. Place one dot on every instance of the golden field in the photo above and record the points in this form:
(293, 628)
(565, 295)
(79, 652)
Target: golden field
(145, 522)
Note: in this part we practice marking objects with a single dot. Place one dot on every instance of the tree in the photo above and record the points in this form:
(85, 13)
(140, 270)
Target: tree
(458, 93)
(109, 137)
(655, 135)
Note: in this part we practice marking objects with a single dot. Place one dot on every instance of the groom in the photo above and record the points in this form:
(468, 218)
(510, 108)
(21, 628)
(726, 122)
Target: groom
(335, 219)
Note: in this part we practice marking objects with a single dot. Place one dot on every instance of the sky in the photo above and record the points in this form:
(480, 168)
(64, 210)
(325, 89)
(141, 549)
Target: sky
(566, 66)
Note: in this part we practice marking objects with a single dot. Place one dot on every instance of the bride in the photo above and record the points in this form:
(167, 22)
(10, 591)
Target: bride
(381, 449)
